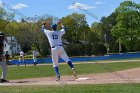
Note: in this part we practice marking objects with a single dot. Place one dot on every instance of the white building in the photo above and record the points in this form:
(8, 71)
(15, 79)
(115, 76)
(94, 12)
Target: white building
(11, 45)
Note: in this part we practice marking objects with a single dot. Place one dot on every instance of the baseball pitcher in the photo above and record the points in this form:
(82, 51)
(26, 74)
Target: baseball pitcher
(54, 37)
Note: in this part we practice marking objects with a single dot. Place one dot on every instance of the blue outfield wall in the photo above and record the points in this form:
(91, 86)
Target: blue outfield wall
(82, 59)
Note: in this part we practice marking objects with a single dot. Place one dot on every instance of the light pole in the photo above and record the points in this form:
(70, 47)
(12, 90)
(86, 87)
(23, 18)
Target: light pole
(120, 48)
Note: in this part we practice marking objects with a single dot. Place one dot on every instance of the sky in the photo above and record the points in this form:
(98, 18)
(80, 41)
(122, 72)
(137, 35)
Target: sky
(95, 9)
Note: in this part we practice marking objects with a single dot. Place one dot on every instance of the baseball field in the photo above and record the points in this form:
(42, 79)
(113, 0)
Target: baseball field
(120, 76)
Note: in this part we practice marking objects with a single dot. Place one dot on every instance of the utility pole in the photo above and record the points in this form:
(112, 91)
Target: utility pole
(120, 48)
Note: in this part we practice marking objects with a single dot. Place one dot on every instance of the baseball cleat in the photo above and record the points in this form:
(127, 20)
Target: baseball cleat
(57, 78)
(3, 80)
(74, 74)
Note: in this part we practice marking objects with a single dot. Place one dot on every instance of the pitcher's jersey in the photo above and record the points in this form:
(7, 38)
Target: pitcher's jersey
(54, 37)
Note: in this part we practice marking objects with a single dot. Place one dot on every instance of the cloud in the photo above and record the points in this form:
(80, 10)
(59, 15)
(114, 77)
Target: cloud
(98, 2)
(19, 6)
(81, 6)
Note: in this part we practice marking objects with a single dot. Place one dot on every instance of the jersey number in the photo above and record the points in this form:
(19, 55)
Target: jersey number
(55, 36)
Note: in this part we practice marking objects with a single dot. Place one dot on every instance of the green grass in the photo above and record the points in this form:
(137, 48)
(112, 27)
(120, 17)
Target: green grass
(105, 88)
(47, 70)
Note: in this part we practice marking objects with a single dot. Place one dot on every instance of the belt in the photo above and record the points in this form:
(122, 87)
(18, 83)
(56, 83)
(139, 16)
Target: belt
(55, 46)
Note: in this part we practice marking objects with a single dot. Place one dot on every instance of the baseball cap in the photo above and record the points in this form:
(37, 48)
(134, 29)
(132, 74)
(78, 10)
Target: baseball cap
(1, 34)
(54, 26)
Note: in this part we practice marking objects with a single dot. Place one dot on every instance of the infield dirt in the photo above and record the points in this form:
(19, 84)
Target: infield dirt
(125, 76)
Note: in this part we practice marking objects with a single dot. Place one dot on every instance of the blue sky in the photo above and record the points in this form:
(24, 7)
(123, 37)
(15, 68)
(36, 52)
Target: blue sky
(62, 8)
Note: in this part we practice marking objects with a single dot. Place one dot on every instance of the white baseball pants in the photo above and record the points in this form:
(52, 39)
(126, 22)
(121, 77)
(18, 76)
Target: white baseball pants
(58, 51)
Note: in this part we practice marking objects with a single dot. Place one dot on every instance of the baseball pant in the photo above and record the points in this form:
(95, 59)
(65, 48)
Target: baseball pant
(4, 69)
(57, 52)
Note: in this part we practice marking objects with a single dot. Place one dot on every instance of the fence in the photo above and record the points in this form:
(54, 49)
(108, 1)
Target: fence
(83, 59)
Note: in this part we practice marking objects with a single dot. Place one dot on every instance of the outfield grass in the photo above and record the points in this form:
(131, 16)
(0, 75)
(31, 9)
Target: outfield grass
(47, 70)
(105, 88)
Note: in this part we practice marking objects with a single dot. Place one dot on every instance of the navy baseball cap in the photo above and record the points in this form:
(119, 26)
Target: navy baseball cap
(54, 26)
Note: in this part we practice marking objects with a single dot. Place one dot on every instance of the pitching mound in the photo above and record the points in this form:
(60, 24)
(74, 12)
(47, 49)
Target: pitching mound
(126, 76)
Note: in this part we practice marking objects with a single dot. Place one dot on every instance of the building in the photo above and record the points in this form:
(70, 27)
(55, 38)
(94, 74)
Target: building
(11, 45)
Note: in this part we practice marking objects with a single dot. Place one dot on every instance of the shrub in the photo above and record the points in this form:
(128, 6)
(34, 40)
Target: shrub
(137, 46)
(99, 49)
(114, 48)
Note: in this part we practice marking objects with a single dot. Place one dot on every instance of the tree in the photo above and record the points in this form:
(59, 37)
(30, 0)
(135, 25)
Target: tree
(5, 17)
(96, 32)
(107, 24)
(29, 35)
(101, 31)
(127, 29)
(76, 28)
(77, 34)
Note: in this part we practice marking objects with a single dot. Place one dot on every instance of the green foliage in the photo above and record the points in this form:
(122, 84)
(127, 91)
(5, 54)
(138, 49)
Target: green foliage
(99, 49)
(3, 24)
(76, 50)
(127, 28)
(96, 34)
(137, 46)
(114, 48)
(101, 33)
(29, 35)
(79, 50)
(76, 28)
(2, 13)
(106, 25)
(123, 24)
(5, 17)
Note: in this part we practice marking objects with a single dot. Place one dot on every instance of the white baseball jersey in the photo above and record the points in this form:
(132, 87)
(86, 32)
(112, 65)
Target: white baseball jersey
(54, 37)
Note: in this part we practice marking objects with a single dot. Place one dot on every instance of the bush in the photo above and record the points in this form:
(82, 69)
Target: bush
(75, 50)
(114, 48)
(78, 50)
(137, 46)
(86, 49)
(99, 49)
